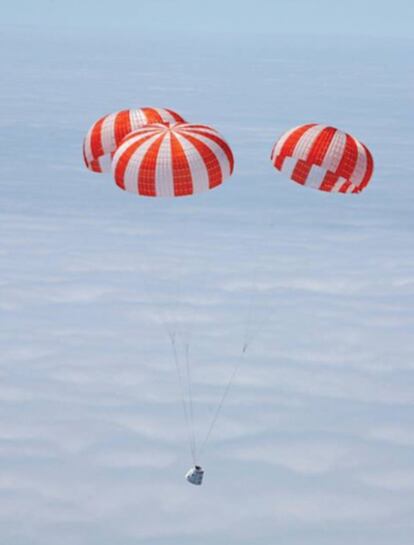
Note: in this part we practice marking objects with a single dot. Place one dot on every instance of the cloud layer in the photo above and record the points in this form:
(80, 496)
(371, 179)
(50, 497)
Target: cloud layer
(315, 444)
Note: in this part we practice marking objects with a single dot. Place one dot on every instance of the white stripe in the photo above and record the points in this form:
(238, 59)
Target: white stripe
(340, 182)
(105, 162)
(289, 165)
(87, 145)
(108, 133)
(164, 180)
(218, 152)
(120, 150)
(131, 171)
(201, 132)
(315, 176)
(134, 163)
(137, 118)
(335, 151)
(198, 169)
(177, 117)
(337, 185)
(192, 128)
(279, 144)
(361, 165)
(140, 133)
(165, 116)
(305, 142)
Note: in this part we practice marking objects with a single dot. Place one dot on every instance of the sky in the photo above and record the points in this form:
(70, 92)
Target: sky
(315, 443)
(322, 17)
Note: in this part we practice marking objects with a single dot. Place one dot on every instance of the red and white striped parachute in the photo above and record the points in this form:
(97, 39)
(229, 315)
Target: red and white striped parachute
(324, 158)
(107, 133)
(163, 160)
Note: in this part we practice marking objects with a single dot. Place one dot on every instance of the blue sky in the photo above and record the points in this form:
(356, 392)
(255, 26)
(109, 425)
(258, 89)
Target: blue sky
(316, 441)
(353, 17)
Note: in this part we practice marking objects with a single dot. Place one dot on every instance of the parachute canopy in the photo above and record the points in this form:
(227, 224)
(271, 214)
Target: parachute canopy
(323, 158)
(107, 133)
(172, 160)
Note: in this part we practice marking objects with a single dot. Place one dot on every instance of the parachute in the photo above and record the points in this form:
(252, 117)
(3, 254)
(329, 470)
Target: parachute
(323, 158)
(164, 160)
(106, 134)
(155, 153)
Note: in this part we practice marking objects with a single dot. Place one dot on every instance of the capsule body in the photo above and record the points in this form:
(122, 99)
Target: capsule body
(195, 475)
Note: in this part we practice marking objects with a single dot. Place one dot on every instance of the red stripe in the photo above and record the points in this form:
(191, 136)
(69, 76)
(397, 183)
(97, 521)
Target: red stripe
(191, 126)
(96, 140)
(176, 116)
(215, 176)
(122, 126)
(349, 158)
(220, 142)
(289, 145)
(183, 180)
(149, 129)
(320, 146)
(301, 171)
(85, 160)
(369, 169)
(147, 169)
(345, 168)
(316, 155)
(272, 158)
(95, 165)
(152, 115)
(345, 186)
(329, 180)
(278, 162)
(123, 160)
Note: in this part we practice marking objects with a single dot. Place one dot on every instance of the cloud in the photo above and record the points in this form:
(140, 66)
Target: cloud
(302, 456)
(395, 480)
(314, 443)
(398, 434)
